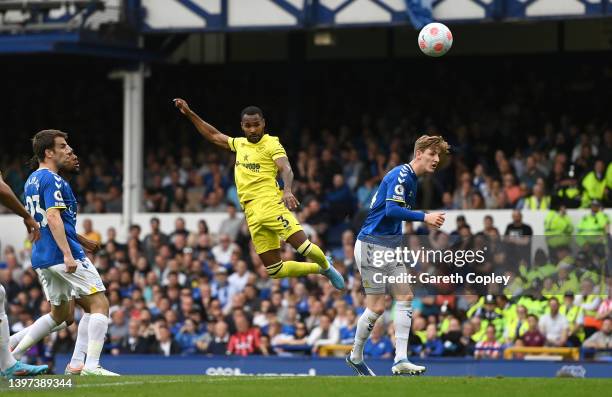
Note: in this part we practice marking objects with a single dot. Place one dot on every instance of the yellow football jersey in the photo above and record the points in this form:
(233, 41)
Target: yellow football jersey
(255, 170)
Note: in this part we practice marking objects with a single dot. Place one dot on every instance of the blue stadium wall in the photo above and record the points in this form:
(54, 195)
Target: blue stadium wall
(229, 15)
(294, 366)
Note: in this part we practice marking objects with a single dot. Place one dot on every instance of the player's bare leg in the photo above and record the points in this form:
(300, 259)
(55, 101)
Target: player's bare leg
(97, 306)
(299, 241)
(403, 295)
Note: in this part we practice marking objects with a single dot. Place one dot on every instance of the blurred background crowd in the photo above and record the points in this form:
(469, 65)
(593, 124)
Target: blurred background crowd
(206, 292)
(515, 146)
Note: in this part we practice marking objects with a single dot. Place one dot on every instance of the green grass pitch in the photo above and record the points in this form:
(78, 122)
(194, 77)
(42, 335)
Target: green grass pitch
(246, 386)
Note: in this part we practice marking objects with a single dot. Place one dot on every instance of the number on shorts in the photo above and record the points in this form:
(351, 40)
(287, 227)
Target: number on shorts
(284, 221)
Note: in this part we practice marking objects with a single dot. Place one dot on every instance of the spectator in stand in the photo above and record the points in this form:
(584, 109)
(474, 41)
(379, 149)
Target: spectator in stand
(224, 250)
(347, 332)
(518, 236)
(433, 347)
(89, 232)
(601, 339)
(135, 342)
(164, 344)
(538, 201)
(490, 347)
(240, 277)
(118, 330)
(511, 190)
(324, 334)
(187, 337)
(554, 325)
(231, 225)
(531, 174)
(246, 340)
(217, 345)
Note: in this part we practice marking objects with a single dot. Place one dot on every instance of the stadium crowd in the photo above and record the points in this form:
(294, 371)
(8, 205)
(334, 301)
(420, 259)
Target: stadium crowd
(206, 292)
(199, 292)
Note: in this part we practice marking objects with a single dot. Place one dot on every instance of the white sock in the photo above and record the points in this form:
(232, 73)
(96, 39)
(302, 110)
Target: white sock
(41, 328)
(80, 346)
(364, 328)
(16, 338)
(403, 320)
(98, 324)
(6, 358)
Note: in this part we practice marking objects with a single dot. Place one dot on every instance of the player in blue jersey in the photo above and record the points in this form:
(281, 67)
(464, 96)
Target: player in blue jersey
(75, 366)
(58, 257)
(9, 366)
(381, 232)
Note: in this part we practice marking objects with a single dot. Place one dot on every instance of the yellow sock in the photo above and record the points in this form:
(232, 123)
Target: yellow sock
(292, 269)
(314, 253)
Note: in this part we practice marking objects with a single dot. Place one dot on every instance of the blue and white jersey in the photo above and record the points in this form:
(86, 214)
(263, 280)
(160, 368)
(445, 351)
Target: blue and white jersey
(399, 185)
(44, 190)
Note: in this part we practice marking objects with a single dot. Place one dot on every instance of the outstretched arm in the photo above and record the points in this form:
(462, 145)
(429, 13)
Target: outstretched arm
(8, 199)
(209, 132)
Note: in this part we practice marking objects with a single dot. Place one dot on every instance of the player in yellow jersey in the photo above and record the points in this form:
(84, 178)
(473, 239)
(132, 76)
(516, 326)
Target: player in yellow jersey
(259, 158)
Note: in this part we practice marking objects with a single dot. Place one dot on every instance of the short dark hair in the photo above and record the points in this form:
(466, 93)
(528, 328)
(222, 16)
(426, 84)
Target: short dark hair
(44, 140)
(251, 110)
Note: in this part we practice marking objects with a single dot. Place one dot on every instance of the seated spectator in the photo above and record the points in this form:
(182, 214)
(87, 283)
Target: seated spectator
(533, 337)
(246, 340)
(490, 347)
(378, 345)
(164, 344)
(187, 337)
(118, 330)
(90, 233)
(348, 331)
(217, 343)
(601, 339)
(554, 325)
(433, 346)
(136, 341)
(467, 342)
(224, 250)
(451, 339)
(324, 334)
(231, 224)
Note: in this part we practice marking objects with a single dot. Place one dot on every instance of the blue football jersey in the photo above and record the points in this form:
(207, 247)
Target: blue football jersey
(399, 185)
(44, 190)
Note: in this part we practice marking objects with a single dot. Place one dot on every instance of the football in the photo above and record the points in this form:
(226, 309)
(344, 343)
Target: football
(435, 39)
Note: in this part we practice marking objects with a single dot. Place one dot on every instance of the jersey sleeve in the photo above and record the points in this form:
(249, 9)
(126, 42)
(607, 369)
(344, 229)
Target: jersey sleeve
(275, 149)
(231, 142)
(395, 189)
(51, 190)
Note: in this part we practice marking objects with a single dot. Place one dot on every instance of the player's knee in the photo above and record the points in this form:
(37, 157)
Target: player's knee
(274, 271)
(404, 298)
(305, 248)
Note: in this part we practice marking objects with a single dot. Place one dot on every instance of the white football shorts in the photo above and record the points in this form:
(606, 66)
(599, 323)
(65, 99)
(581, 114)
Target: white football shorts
(59, 285)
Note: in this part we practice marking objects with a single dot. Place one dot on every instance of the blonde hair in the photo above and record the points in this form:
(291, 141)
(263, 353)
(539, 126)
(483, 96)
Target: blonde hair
(435, 143)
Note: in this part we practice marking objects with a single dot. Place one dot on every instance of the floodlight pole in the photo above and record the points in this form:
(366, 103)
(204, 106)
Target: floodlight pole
(133, 142)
